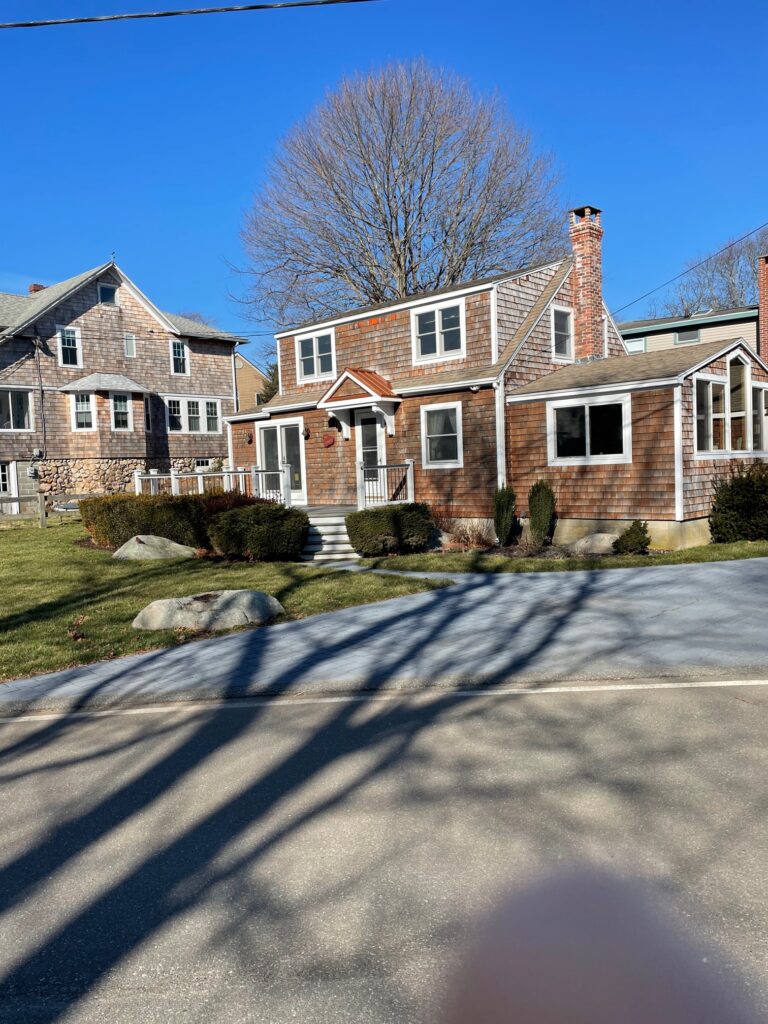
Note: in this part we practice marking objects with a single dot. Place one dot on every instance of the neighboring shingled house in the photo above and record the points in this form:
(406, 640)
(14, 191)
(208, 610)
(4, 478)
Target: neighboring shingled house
(250, 382)
(442, 397)
(96, 381)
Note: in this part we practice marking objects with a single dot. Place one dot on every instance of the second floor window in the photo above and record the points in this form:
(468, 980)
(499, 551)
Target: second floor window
(438, 333)
(179, 359)
(130, 346)
(70, 351)
(15, 410)
(315, 357)
(562, 333)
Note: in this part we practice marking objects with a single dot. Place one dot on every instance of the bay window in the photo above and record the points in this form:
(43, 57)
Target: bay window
(594, 430)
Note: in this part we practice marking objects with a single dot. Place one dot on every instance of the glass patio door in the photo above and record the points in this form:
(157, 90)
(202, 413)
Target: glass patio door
(279, 445)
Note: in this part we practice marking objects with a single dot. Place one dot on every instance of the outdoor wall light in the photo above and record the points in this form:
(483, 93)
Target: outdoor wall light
(305, 433)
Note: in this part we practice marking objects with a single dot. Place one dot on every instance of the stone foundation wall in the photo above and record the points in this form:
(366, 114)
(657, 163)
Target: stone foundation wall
(101, 476)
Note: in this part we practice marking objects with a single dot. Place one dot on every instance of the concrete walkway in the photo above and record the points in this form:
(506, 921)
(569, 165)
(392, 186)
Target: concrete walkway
(703, 621)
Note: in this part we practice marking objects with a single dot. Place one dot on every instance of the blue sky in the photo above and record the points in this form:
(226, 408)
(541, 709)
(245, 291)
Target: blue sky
(149, 138)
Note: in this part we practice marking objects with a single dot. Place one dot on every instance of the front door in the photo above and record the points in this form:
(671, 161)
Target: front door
(281, 444)
(371, 451)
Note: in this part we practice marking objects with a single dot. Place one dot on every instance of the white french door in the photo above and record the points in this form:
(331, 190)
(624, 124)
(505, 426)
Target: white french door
(279, 444)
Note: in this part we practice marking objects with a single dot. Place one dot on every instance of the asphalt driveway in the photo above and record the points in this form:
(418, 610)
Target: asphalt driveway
(703, 621)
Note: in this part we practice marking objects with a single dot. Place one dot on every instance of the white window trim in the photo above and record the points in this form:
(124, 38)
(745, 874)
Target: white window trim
(299, 497)
(78, 339)
(113, 428)
(21, 430)
(555, 307)
(625, 400)
(314, 335)
(688, 341)
(73, 413)
(108, 284)
(187, 360)
(13, 489)
(202, 399)
(126, 336)
(749, 384)
(435, 307)
(634, 341)
(458, 463)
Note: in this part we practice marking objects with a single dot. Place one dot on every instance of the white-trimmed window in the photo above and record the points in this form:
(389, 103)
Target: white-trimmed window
(635, 345)
(15, 410)
(83, 411)
(562, 334)
(729, 413)
(5, 481)
(148, 414)
(202, 465)
(121, 410)
(442, 444)
(315, 357)
(179, 358)
(129, 342)
(193, 415)
(70, 346)
(687, 337)
(107, 294)
(438, 332)
(595, 430)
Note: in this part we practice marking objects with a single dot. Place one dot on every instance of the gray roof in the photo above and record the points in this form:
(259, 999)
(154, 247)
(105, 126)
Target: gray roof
(474, 283)
(665, 322)
(666, 364)
(19, 311)
(105, 382)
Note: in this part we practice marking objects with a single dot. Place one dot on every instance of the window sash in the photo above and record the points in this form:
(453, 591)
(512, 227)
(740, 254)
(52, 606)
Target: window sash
(315, 357)
(121, 411)
(148, 414)
(193, 416)
(573, 429)
(179, 358)
(69, 346)
(212, 417)
(83, 411)
(130, 346)
(562, 333)
(442, 436)
(15, 410)
(439, 332)
(725, 414)
(174, 415)
(5, 479)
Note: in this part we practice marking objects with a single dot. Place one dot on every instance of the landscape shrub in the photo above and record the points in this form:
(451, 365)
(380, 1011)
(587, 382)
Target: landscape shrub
(184, 518)
(740, 505)
(263, 532)
(390, 529)
(541, 512)
(635, 540)
(472, 533)
(505, 514)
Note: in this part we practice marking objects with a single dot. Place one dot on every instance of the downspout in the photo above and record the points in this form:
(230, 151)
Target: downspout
(37, 345)
(235, 397)
(677, 416)
(501, 439)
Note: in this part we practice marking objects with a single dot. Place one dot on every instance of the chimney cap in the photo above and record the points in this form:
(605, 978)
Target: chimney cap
(585, 211)
(35, 288)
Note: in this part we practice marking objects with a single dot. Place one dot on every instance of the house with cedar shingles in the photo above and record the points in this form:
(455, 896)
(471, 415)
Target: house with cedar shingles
(97, 382)
(444, 396)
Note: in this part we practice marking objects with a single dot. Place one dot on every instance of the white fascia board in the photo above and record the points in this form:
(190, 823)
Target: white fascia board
(460, 385)
(150, 307)
(615, 326)
(596, 389)
(728, 347)
(423, 300)
(240, 417)
(358, 403)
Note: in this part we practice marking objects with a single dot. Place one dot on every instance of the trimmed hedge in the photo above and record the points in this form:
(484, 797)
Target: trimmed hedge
(266, 532)
(184, 518)
(390, 529)
(740, 505)
(635, 540)
(541, 512)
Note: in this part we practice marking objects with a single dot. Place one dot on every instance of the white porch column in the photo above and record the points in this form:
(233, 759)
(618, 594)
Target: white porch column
(360, 470)
(285, 471)
(411, 488)
(137, 481)
(254, 483)
(174, 481)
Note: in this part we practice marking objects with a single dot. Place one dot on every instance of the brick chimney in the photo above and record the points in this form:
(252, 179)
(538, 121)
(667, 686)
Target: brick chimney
(762, 312)
(33, 288)
(586, 241)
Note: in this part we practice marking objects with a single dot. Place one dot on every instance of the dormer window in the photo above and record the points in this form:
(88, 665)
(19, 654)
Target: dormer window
(562, 334)
(438, 332)
(108, 294)
(315, 357)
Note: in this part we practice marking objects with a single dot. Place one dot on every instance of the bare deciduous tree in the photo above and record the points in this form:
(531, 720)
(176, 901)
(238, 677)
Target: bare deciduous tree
(726, 280)
(198, 318)
(400, 181)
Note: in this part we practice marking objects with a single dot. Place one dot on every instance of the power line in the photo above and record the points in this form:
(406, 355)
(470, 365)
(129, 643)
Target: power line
(180, 14)
(689, 269)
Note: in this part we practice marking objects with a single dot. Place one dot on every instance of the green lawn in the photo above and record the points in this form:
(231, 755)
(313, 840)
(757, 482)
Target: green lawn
(62, 604)
(478, 561)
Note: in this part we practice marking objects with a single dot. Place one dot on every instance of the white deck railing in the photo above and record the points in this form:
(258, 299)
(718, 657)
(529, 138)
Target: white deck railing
(254, 482)
(388, 484)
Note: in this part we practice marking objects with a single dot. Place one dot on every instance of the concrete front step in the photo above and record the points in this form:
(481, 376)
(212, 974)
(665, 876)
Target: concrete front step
(327, 540)
(321, 557)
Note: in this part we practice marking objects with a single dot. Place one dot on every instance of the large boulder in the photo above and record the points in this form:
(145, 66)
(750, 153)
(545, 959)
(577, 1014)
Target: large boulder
(145, 546)
(593, 544)
(220, 609)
